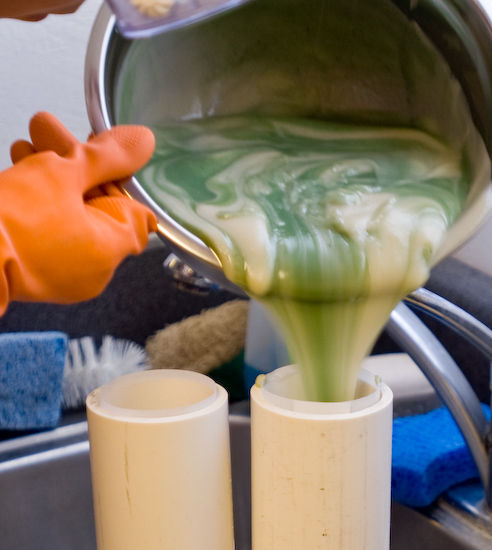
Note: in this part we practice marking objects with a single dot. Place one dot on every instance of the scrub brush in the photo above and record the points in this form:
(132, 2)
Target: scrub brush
(203, 342)
(88, 368)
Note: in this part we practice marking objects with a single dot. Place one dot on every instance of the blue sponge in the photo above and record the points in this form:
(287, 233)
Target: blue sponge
(429, 456)
(31, 372)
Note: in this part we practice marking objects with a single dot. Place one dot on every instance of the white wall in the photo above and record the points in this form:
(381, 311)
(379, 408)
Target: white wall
(42, 68)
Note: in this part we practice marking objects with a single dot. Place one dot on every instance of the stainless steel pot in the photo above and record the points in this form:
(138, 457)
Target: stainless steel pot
(460, 29)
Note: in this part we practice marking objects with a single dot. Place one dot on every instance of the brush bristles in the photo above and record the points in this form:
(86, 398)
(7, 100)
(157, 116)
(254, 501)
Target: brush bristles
(88, 368)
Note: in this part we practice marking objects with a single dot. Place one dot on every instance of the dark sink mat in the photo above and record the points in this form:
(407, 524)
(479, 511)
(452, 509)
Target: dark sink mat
(143, 298)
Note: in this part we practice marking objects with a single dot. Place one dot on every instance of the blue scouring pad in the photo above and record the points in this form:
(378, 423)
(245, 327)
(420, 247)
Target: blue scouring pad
(429, 456)
(31, 372)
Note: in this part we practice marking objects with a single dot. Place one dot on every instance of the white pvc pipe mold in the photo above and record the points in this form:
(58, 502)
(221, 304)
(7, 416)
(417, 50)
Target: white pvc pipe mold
(321, 472)
(160, 462)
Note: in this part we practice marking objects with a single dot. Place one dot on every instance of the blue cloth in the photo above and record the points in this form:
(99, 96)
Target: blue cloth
(31, 372)
(429, 456)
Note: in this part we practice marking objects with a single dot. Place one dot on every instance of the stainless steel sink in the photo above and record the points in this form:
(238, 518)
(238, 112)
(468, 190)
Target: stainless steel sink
(46, 497)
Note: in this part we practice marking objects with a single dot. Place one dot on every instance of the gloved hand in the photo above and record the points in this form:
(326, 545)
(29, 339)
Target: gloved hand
(35, 10)
(64, 225)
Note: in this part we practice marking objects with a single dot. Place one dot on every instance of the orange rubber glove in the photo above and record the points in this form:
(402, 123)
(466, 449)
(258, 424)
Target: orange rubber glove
(35, 10)
(64, 226)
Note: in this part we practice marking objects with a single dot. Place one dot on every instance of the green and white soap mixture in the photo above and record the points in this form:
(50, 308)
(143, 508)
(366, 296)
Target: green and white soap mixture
(327, 221)
(329, 226)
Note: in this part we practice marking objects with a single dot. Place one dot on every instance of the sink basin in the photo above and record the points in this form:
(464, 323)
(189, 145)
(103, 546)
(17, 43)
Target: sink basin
(46, 497)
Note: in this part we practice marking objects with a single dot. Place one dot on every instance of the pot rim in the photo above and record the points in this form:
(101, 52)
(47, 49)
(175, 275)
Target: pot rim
(187, 246)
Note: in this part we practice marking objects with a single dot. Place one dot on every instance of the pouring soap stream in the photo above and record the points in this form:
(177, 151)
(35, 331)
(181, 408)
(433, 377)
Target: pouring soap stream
(328, 225)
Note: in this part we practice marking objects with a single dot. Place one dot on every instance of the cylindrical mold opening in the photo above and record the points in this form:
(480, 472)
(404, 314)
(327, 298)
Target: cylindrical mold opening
(160, 462)
(157, 394)
(321, 472)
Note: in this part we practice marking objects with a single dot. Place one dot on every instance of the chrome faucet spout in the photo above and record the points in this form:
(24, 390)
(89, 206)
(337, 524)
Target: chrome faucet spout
(413, 336)
(454, 317)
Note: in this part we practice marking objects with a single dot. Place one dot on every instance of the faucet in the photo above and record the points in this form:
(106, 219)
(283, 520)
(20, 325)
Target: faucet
(416, 339)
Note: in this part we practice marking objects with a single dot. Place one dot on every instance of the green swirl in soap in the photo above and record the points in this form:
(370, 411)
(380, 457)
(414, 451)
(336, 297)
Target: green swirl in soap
(329, 225)
(315, 201)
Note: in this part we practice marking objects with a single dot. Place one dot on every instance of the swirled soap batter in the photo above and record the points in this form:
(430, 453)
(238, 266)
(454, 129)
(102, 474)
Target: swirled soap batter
(328, 225)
